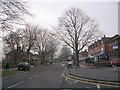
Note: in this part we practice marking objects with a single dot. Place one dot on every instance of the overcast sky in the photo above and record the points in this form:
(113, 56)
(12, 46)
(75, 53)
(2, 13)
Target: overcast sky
(47, 12)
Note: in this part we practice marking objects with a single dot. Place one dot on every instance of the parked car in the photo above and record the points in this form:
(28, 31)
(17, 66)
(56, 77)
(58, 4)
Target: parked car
(23, 66)
(64, 63)
(115, 62)
(69, 63)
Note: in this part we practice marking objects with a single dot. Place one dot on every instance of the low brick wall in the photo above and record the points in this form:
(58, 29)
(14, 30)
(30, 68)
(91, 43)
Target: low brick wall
(103, 63)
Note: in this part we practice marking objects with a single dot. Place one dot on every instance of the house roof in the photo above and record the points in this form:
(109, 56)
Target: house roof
(116, 37)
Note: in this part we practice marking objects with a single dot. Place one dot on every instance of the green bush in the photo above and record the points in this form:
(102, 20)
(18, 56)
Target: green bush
(10, 72)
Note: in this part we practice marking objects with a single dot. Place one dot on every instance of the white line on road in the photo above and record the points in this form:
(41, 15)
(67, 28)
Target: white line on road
(76, 81)
(68, 81)
(98, 86)
(15, 84)
(33, 77)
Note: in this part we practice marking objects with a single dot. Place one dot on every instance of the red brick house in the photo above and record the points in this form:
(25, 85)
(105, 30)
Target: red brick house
(83, 55)
(14, 56)
(99, 50)
(19, 55)
(114, 47)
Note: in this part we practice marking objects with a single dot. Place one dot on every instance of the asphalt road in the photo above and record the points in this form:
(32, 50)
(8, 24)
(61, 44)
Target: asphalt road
(49, 76)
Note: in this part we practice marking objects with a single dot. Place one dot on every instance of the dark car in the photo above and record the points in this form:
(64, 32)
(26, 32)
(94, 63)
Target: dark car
(23, 66)
(115, 62)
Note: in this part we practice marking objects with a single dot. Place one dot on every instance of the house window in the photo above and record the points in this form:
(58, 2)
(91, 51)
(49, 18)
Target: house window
(113, 53)
(110, 45)
(102, 42)
(116, 52)
(110, 54)
(101, 49)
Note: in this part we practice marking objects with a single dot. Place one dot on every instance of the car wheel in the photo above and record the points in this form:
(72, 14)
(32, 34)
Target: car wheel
(113, 65)
(26, 69)
(23, 69)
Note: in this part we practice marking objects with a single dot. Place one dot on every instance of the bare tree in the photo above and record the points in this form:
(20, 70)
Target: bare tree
(53, 43)
(11, 12)
(12, 43)
(29, 38)
(44, 44)
(77, 30)
(65, 53)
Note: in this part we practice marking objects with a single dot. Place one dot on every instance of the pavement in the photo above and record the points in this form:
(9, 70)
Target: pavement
(103, 75)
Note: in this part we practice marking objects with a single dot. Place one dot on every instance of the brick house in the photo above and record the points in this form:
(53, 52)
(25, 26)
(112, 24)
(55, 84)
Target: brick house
(14, 56)
(114, 47)
(99, 50)
(83, 55)
(19, 55)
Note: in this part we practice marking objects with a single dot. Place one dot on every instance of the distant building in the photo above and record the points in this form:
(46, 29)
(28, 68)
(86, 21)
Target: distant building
(19, 55)
(106, 48)
(114, 47)
(15, 56)
(99, 50)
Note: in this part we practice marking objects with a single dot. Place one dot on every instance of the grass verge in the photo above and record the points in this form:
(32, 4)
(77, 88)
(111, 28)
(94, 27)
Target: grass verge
(6, 73)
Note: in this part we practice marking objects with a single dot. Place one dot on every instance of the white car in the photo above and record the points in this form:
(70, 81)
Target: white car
(70, 63)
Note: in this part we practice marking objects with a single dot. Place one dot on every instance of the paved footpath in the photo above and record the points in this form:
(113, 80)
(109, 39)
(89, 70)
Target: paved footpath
(106, 73)
(108, 76)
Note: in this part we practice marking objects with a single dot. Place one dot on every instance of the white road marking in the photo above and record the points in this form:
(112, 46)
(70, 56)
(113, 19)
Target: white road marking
(33, 77)
(15, 84)
(98, 86)
(63, 64)
(62, 75)
(68, 81)
(76, 81)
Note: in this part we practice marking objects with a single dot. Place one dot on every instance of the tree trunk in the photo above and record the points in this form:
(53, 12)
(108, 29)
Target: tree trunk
(76, 52)
(77, 58)
(43, 59)
(28, 53)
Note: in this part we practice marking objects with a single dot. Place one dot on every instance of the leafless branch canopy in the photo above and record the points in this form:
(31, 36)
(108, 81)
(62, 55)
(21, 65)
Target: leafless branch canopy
(46, 43)
(12, 41)
(11, 12)
(77, 29)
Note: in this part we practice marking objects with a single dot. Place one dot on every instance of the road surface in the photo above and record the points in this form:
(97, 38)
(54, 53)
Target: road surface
(50, 76)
